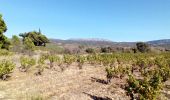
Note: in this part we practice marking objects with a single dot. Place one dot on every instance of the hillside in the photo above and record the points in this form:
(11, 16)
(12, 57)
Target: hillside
(165, 43)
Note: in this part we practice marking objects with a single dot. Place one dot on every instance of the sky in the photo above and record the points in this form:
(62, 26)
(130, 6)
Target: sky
(116, 20)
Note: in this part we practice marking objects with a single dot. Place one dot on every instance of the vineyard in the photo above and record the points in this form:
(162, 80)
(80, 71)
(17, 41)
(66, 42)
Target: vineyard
(141, 76)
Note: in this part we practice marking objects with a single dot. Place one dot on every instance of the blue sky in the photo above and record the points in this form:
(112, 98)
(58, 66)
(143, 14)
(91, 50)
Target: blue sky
(116, 20)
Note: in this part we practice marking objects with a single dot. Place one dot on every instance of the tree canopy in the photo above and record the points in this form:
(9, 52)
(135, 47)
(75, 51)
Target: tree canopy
(142, 47)
(4, 42)
(36, 37)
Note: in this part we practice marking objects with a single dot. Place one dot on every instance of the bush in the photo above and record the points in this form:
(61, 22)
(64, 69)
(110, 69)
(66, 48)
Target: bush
(41, 62)
(52, 59)
(110, 72)
(142, 47)
(26, 63)
(16, 44)
(38, 97)
(81, 60)
(90, 50)
(147, 88)
(4, 52)
(28, 44)
(106, 50)
(6, 67)
(69, 59)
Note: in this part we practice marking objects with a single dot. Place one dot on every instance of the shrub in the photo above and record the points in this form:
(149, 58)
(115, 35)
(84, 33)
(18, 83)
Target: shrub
(26, 63)
(90, 50)
(69, 59)
(106, 49)
(38, 97)
(6, 67)
(41, 62)
(110, 72)
(147, 88)
(81, 60)
(4, 52)
(16, 44)
(52, 59)
(28, 44)
(142, 47)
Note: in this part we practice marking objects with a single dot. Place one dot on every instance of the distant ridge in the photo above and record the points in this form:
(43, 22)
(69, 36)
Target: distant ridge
(103, 42)
(89, 39)
(162, 41)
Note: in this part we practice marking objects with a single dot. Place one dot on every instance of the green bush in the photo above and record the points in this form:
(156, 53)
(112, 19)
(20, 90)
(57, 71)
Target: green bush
(4, 52)
(28, 44)
(69, 59)
(81, 60)
(106, 49)
(110, 72)
(6, 67)
(90, 50)
(40, 67)
(16, 44)
(38, 97)
(26, 63)
(52, 59)
(142, 47)
(147, 88)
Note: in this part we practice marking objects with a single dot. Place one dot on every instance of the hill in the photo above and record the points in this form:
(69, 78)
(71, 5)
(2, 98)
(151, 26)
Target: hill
(165, 43)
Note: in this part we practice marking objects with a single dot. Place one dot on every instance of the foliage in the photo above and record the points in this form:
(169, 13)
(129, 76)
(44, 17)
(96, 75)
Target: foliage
(36, 37)
(41, 64)
(37, 97)
(6, 67)
(90, 50)
(28, 44)
(146, 88)
(15, 43)
(142, 47)
(52, 59)
(4, 52)
(69, 59)
(26, 63)
(110, 72)
(81, 60)
(106, 49)
(15, 40)
(154, 72)
(4, 42)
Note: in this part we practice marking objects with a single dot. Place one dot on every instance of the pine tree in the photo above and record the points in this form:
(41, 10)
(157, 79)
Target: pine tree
(4, 42)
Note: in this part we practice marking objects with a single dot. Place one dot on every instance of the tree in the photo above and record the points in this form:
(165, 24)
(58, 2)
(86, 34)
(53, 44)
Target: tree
(15, 43)
(28, 44)
(4, 42)
(106, 49)
(15, 40)
(142, 47)
(36, 37)
(90, 50)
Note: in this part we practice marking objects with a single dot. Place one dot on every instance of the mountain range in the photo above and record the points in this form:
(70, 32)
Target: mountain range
(102, 42)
